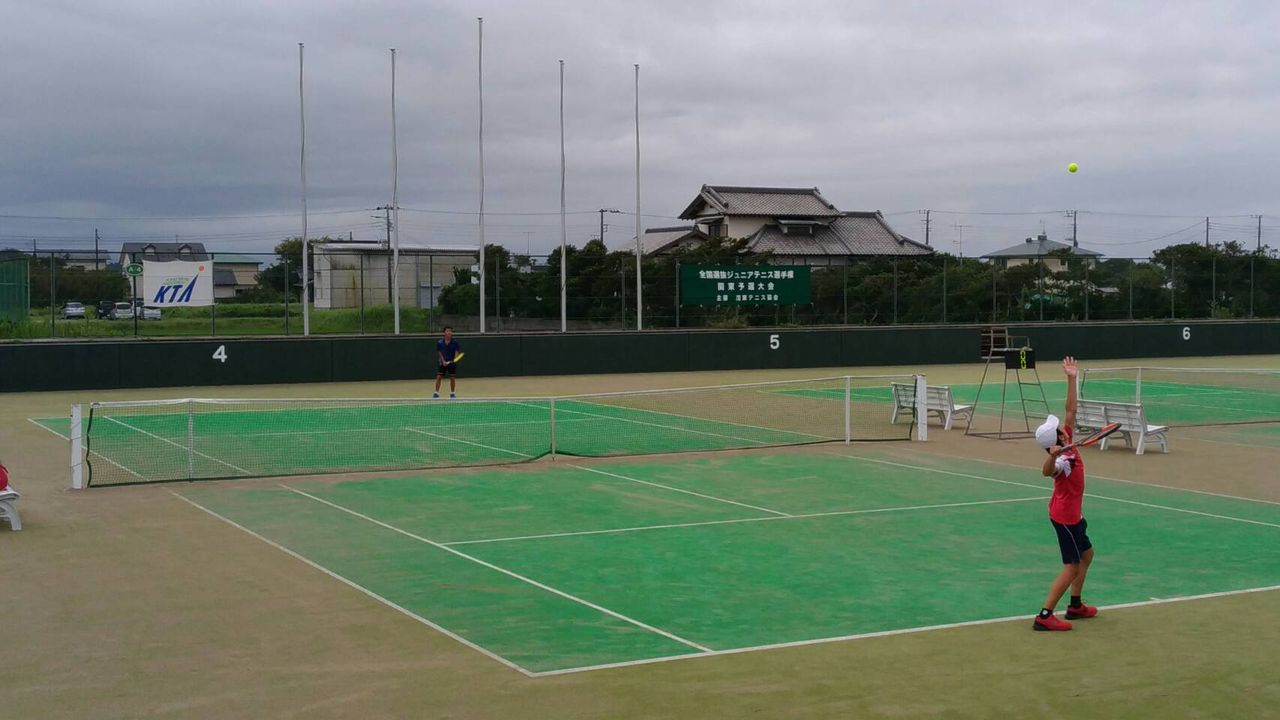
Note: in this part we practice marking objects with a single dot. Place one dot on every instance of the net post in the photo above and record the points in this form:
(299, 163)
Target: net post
(848, 402)
(191, 439)
(922, 409)
(1137, 397)
(553, 428)
(77, 446)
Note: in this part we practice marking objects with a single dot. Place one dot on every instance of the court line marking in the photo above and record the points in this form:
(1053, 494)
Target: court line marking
(468, 442)
(504, 571)
(691, 417)
(759, 442)
(701, 523)
(180, 447)
(350, 583)
(887, 633)
(681, 490)
(1087, 494)
(1154, 485)
(90, 452)
(1234, 444)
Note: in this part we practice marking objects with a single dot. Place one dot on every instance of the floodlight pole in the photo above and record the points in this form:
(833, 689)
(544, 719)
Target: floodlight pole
(306, 263)
(639, 249)
(395, 203)
(564, 278)
(480, 76)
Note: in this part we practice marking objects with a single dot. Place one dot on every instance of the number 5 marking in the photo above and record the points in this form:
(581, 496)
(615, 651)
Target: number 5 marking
(774, 342)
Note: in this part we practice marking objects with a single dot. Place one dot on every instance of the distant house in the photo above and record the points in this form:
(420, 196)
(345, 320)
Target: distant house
(657, 241)
(797, 225)
(1039, 248)
(234, 274)
(157, 252)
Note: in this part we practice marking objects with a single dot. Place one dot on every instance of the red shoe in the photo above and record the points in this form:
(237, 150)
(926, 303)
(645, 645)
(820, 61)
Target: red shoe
(1078, 613)
(1050, 623)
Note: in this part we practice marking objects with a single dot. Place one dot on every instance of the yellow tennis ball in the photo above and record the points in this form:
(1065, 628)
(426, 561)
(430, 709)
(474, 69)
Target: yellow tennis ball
(1072, 167)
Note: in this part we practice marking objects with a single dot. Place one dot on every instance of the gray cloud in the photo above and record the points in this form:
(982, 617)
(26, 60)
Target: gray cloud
(179, 110)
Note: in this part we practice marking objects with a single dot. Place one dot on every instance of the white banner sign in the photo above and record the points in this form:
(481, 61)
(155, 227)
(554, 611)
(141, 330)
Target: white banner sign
(178, 283)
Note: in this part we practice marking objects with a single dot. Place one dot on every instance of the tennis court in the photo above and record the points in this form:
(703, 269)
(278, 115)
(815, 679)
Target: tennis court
(574, 567)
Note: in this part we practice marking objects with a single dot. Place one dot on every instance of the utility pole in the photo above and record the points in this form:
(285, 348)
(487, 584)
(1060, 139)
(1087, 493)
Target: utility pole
(1259, 233)
(927, 224)
(96, 238)
(960, 241)
(1075, 242)
(386, 216)
(602, 225)
(1206, 231)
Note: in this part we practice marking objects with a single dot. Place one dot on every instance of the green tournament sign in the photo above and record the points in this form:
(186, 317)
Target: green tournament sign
(744, 285)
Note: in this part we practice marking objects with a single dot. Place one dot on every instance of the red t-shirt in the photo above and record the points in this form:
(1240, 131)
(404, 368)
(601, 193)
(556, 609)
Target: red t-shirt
(4, 478)
(1068, 487)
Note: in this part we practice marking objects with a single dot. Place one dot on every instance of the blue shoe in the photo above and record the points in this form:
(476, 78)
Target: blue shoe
(435, 396)
(453, 396)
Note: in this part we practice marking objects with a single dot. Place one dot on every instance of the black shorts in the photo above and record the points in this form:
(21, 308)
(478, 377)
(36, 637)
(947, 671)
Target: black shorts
(450, 369)
(1072, 541)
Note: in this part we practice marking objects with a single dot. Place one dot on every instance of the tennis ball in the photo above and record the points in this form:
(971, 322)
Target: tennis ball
(1072, 167)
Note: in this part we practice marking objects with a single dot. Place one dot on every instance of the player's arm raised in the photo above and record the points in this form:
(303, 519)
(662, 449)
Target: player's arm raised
(1069, 369)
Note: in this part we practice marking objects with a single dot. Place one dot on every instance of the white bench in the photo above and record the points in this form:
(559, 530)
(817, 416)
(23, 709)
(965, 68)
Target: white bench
(1092, 415)
(938, 400)
(9, 508)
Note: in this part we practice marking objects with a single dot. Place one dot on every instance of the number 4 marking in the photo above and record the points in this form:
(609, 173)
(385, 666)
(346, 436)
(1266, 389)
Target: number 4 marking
(220, 354)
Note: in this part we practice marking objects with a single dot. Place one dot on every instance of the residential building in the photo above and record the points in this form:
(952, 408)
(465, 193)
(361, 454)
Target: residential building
(798, 226)
(84, 259)
(234, 274)
(1040, 248)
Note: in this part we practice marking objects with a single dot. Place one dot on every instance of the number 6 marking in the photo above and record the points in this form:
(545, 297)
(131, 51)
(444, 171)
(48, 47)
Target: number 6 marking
(1186, 333)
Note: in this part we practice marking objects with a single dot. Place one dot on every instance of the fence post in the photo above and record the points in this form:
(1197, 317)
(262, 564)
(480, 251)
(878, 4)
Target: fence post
(848, 392)
(53, 314)
(922, 408)
(288, 287)
(895, 289)
(677, 298)
(362, 293)
(1251, 286)
(944, 289)
(844, 283)
(1132, 269)
(133, 301)
(1086, 289)
(993, 291)
(1173, 286)
(553, 428)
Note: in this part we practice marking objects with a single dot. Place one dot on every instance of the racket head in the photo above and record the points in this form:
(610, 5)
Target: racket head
(458, 358)
(1099, 435)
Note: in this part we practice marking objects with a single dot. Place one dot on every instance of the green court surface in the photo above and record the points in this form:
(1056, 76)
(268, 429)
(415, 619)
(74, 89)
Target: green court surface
(565, 567)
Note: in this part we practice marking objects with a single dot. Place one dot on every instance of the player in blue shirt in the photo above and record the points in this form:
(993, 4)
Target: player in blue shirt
(446, 350)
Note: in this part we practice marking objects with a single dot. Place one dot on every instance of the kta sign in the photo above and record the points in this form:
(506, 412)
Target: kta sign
(177, 283)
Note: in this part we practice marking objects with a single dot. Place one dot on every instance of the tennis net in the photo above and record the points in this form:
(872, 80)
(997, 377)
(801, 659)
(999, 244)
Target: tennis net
(193, 439)
(1189, 396)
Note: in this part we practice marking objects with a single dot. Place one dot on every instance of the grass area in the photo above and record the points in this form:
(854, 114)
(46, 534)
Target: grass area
(231, 319)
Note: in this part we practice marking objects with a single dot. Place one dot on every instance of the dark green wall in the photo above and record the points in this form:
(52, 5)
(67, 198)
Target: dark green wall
(167, 363)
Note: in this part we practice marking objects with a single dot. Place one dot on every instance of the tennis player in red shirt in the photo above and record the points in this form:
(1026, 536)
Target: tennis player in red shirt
(1066, 467)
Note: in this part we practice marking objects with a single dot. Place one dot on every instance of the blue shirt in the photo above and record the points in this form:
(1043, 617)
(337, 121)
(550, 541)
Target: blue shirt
(447, 350)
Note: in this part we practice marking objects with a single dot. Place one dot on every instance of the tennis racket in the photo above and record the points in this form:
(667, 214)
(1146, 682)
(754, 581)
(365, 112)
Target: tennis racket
(1096, 437)
(456, 359)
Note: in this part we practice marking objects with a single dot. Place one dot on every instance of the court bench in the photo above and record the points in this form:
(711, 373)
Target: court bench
(9, 507)
(1092, 415)
(938, 400)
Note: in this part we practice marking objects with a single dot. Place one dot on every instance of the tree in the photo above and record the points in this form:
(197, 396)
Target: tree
(288, 255)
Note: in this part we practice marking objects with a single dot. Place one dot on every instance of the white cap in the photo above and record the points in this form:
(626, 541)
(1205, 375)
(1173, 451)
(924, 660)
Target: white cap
(1047, 433)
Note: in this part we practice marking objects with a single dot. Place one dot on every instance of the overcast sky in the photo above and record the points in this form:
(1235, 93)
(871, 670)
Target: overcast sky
(150, 119)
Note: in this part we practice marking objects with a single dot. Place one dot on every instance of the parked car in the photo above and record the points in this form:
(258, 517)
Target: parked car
(121, 311)
(104, 308)
(145, 312)
(73, 310)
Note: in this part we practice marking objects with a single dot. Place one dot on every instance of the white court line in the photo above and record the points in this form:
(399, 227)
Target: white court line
(663, 427)
(468, 442)
(488, 653)
(90, 452)
(1154, 485)
(1233, 444)
(829, 513)
(886, 633)
(681, 490)
(180, 447)
(691, 417)
(1087, 494)
(504, 571)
